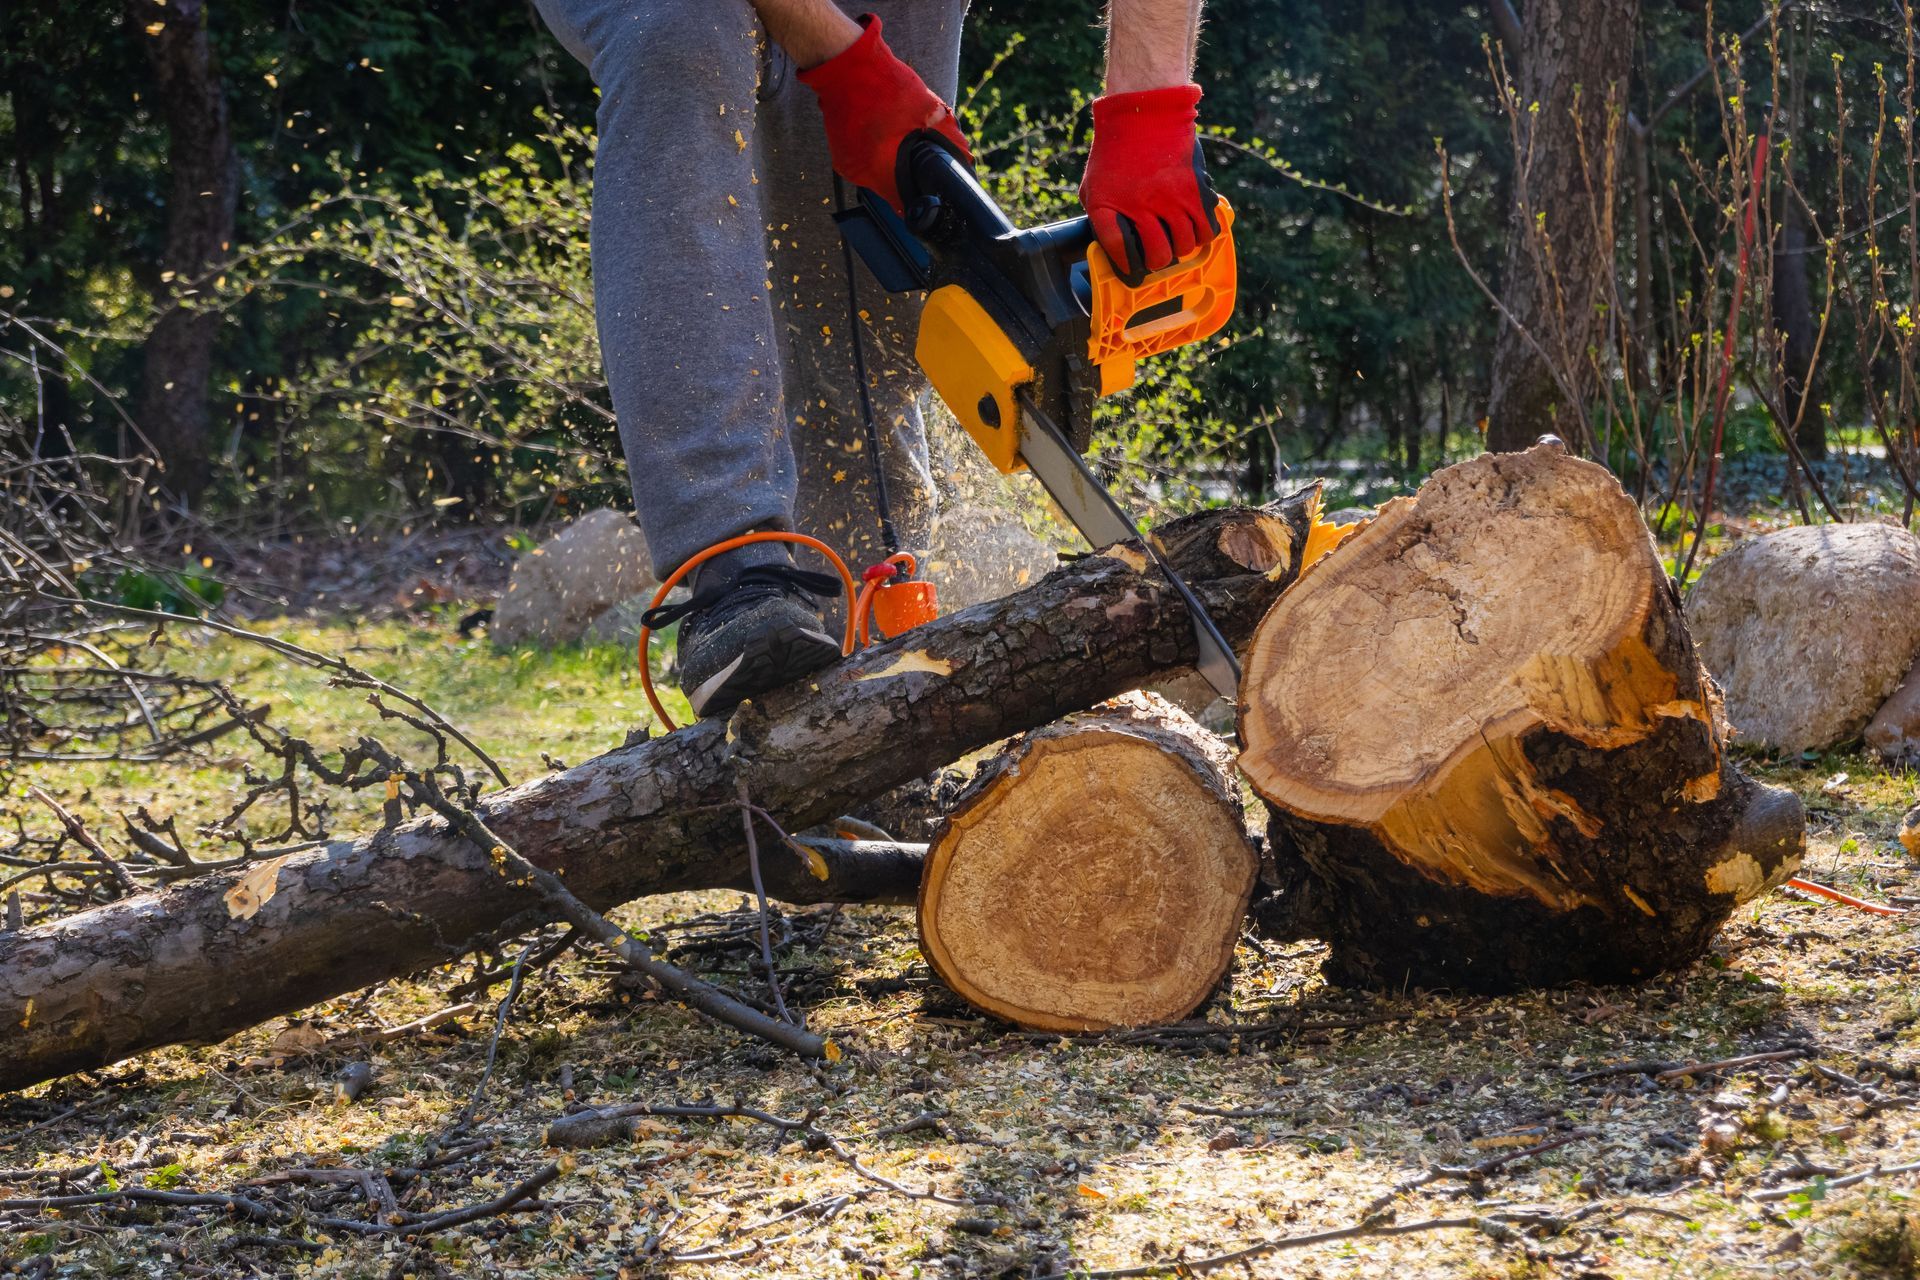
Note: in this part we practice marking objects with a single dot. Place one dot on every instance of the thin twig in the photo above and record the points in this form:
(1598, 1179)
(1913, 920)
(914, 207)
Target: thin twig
(1475, 1172)
(505, 1013)
(1728, 1064)
(1834, 1184)
(86, 840)
(760, 897)
(1218, 1261)
(699, 995)
(344, 671)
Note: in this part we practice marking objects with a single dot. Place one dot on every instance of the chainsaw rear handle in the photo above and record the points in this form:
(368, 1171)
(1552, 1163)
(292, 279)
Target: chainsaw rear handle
(1131, 318)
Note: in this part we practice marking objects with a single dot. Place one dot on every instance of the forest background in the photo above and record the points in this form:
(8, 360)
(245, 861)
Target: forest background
(276, 250)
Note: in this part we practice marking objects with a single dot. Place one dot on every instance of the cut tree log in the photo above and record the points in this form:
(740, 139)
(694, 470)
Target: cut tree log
(1095, 875)
(656, 817)
(1491, 756)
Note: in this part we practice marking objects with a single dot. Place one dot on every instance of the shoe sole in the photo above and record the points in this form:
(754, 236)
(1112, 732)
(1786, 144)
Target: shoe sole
(773, 659)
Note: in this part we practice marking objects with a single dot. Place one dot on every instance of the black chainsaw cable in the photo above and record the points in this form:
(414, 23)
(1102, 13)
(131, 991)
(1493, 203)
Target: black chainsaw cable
(888, 534)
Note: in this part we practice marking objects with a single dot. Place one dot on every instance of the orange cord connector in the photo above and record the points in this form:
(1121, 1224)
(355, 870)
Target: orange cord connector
(874, 600)
(892, 599)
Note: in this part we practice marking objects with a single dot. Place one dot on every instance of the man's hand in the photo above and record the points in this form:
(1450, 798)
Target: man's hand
(873, 102)
(1146, 189)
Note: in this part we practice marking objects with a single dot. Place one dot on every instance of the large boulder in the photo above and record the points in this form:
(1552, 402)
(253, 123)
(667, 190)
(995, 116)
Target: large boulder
(1894, 730)
(1809, 629)
(597, 562)
(981, 552)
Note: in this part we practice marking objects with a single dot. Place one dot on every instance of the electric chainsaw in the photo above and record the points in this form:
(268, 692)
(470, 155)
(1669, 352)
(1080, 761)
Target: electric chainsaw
(1024, 329)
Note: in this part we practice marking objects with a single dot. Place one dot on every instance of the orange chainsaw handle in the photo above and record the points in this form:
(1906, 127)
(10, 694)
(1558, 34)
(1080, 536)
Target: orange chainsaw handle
(1179, 304)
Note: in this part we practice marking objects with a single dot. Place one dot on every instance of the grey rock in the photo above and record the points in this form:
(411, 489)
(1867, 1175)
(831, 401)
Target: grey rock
(598, 561)
(619, 624)
(1809, 630)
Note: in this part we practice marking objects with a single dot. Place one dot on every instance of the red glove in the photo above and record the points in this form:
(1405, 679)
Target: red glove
(1146, 189)
(873, 102)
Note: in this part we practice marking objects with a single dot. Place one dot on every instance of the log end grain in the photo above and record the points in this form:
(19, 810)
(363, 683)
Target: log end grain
(1095, 876)
(1489, 749)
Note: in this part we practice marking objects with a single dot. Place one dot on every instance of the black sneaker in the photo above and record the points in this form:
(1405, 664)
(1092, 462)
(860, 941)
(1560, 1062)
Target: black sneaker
(744, 635)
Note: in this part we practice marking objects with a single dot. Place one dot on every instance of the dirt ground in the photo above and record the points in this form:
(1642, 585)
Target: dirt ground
(1554, 1134)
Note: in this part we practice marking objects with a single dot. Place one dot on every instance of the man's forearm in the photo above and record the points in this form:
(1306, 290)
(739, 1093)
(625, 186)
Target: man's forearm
(810, 31)
(1150, 43)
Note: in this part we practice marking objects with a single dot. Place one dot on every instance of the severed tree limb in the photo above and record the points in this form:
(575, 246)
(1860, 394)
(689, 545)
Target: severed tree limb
(659, 816)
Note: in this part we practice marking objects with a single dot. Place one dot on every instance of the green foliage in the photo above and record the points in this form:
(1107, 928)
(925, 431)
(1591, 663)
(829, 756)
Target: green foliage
(407, 326)
(39, 1244)
(185, 592)
(467, 378)
(167, 1176)
(437, 87)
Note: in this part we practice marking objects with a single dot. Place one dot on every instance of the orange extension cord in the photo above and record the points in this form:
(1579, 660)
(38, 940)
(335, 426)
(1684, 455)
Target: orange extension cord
(718, 548)
(859, 614)
(1858, 904)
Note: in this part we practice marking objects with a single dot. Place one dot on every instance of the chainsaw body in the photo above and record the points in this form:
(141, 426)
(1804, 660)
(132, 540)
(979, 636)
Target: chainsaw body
(1024, 330)
(1037, 315)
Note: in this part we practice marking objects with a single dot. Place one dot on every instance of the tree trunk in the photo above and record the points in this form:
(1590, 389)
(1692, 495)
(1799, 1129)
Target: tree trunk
(174, 409)
(1492, 757)
(1793, 317)
(1574, 60)
(1645, 327)
(657, 817)
(1793, 265)
(1095, 875)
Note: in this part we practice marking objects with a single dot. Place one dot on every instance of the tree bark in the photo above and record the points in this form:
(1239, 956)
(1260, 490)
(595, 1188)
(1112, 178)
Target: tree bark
(1095, 875)
(1492, 757)
(1574, 58)
(1793, 317)
(656, 817)
(201, 205)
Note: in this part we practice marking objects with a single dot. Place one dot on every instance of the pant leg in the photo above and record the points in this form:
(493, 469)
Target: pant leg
(687, 327)
(836, 498)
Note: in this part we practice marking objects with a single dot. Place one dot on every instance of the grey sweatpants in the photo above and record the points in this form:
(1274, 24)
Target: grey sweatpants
(720, 288)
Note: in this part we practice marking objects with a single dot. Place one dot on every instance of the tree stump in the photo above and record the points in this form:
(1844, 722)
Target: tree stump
(1491, 757)
(1095, 875)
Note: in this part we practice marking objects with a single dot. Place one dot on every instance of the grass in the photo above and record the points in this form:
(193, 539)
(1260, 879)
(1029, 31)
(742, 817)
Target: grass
(524, 706)
(1087, 1149)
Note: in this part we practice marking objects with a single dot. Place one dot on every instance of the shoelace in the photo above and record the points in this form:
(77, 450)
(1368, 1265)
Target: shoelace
(749, 586)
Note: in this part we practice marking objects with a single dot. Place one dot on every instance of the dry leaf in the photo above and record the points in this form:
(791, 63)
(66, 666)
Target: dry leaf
(297, 1041)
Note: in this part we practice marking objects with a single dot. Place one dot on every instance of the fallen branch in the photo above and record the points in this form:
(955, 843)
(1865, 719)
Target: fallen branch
(1729, 1064)
(1280, 1244)
(657, 816)
(1834, 1184)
